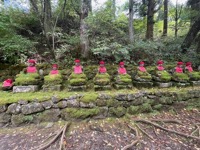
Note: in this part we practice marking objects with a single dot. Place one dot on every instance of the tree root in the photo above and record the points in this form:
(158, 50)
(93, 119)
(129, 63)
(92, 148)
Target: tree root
(47, 144)
(167, 121)
(168, 130)
(135, 141)
(149, 136)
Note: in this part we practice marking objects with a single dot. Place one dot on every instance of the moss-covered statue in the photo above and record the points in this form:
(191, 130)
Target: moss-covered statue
(142, 75)
(102, 78)
(7, 84)
(77, 80)
(123, 80)
(53, 81)
(160, 74)
(28, 76)
(179, 75)
(193, 75)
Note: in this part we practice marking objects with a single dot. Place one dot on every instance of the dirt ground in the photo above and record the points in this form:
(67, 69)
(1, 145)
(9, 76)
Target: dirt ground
(110, 133)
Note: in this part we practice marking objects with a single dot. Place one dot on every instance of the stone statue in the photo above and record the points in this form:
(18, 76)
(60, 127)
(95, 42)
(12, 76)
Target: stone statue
(7, 84)
(193, 75)
(179, 75)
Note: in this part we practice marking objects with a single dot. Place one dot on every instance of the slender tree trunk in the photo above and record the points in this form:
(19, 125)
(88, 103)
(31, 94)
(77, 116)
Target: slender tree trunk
(198, 46)
(150, 19)
(192, 33)
(47, 16)
(165, 23)
(131, 31)
(176, 20)
(83, 29)
(114, 8)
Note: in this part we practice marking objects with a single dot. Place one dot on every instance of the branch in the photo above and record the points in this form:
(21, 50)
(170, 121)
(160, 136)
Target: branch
(167, 120)
(159, 7)
(168, 130)
(144, 132)
(63, 135)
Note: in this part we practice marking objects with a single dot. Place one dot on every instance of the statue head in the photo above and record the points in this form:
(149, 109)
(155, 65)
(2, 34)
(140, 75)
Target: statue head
(101, 63)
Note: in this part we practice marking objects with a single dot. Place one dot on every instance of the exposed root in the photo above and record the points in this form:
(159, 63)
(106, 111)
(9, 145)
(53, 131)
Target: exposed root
(149, 136)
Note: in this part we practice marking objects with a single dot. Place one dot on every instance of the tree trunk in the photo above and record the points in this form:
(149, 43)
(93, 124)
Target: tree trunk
(176, 20)
(150, 19)
(114, 8)
(83, 28)
(195, 28)
(131, 32)
(165, 23)
(198, 46)
(47, 16)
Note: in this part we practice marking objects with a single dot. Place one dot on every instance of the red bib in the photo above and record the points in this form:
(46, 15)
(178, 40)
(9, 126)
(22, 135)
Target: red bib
(54, 72)
(189, 69)
(122, 70)
(7, 84)
(31, 69)
(78, 69)
(102, 70)
(179, 70)
(160, 68)
(142, 69)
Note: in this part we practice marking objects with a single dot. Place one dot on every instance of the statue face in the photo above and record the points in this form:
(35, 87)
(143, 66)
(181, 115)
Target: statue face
(141, 65)
(160, 65)
(77, 64)
(101, 65)
(180, 66)
(31, 64)
(54, 68)
(121, 66)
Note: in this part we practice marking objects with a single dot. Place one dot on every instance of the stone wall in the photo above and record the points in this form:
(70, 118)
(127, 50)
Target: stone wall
(96, 106)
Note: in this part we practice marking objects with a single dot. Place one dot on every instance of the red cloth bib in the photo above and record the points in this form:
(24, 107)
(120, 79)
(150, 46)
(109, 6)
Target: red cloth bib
(179, 70)
(31, 69)
(142, 69)
(189, 69)
(122, 70)
(102, 70)
(6, 84)
(78, 69)
(54, 72)
(160, 68)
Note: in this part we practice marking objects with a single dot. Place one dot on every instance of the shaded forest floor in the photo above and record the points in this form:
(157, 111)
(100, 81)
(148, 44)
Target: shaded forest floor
(129, 132)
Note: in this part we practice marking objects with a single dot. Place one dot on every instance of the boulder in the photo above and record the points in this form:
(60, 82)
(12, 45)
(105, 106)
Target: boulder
(3, 108)
(31, 108)
(47, 104)
(5, 118)
(25, 89)
(51, 115)
(14, 108)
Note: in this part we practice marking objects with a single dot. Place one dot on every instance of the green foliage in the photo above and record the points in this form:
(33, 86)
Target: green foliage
(181, 76)
(87, 98)
(194, 75)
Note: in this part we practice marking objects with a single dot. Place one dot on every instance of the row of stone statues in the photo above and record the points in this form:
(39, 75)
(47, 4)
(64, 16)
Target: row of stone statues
(77, 80)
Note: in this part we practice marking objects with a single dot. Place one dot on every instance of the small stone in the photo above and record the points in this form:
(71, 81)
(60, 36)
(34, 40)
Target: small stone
(14, 108)
(47, 104)
(55, 99)
(104, 96)
(62, 104)
(87, 105)
(121, 97)
(73, 103)
(5, 118)
(22, 102)
(3, 108)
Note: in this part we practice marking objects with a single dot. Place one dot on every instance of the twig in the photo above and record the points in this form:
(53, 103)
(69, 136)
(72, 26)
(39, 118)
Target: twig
(168, 130)
(197, 129)
(63, 135)
(144, 132)
(167, 121)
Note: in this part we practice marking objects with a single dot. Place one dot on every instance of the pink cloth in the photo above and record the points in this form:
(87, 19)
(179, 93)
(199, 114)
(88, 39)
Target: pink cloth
(7, 84)
(54, 72)
(122, 70)
(31, 69)
(102, 70)
(179, 70)
(78, 69)
(189, 68)
(160, 68)
(142, 69)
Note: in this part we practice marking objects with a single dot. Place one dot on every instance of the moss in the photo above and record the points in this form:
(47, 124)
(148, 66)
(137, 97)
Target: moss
(119, 111)
(20, 119)
(133, 110)
(75, 82)
(163, 75)
(157, 107)
(77, 76)
(123, 79)
(79, 113)
(27, 79)
(146, 108)
(53, 79)
(194, 75)
(180, 76)
(112, 103)
(102, 79)
(90, 97)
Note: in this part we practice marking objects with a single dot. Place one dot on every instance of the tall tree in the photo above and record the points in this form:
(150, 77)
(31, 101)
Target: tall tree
(165, 21)
(85, 8)
(178, 11)
(114, 8)
(151, 10)
(131, 31)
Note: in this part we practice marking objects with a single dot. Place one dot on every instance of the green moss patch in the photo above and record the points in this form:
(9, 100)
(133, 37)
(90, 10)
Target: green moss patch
(53, 79)
(194, 75)
(133, 110)
(181, 76)
(163, 75)
(77, 76)
(119, 111)
(79, 113)
(90, 97)
(102, 79)
(27, 79)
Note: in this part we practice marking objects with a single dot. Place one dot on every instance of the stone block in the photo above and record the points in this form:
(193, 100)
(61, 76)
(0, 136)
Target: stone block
(195, 83)
(139, 84)
(181, 84)
(77, 88)
(32, 108)
(102, 87)
(163, 85)
(52, 88)
(24, 89)
(120, 86)
(14, 108)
